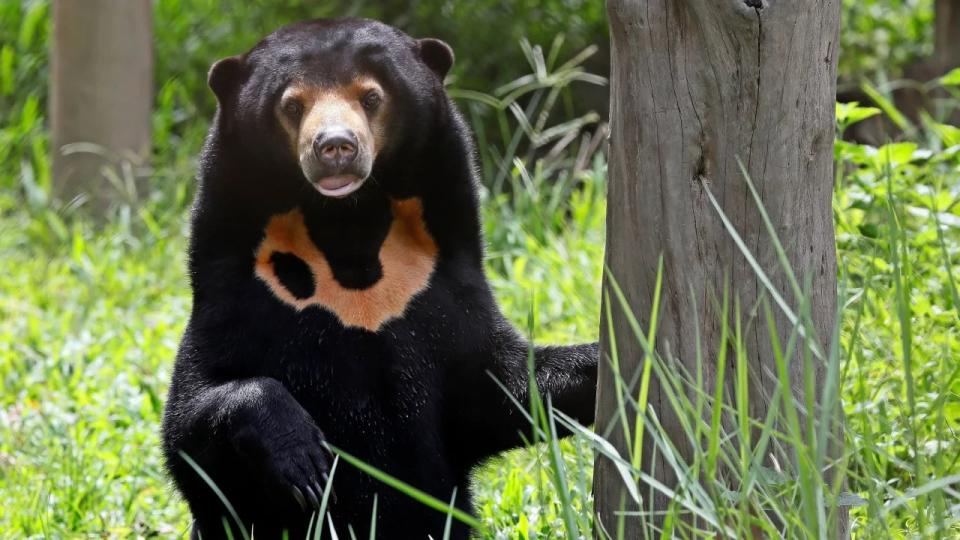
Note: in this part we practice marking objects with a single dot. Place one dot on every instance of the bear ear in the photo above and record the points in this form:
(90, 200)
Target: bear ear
(436, 54)
(224, 77)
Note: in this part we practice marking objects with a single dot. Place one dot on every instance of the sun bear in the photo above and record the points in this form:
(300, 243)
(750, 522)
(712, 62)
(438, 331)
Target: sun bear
(339, 296)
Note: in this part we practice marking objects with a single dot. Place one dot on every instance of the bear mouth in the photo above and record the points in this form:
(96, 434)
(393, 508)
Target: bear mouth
(338, 186)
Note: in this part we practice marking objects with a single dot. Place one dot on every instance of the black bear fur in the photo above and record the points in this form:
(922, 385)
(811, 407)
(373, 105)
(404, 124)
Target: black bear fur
(258, 386)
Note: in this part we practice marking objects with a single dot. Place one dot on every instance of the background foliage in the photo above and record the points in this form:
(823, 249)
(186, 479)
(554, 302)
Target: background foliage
(884, 35)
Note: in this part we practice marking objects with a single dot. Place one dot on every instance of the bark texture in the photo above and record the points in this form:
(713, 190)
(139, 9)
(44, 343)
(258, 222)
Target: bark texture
(101, 90)
(697, 85)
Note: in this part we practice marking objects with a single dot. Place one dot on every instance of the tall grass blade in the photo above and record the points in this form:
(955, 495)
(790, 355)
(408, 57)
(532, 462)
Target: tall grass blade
(216, 489)
(408, 490)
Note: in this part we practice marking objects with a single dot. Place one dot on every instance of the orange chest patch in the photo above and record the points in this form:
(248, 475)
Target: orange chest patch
(408, 256)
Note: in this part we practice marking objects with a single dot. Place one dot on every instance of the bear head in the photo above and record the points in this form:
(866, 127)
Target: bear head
(336, 106)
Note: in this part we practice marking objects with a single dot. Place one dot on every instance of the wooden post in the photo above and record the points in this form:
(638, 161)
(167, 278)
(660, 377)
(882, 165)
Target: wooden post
(947, 34)
(696, 86)
(100, 90)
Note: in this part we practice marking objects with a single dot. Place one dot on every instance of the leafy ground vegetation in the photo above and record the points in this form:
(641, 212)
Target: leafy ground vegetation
(90, 316)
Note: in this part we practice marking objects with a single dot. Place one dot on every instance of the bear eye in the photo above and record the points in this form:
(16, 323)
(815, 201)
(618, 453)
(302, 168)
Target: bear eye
(371, 100)
(293, 109)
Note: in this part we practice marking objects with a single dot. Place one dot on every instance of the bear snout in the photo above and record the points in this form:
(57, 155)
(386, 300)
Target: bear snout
(336, 148)
(336, 163)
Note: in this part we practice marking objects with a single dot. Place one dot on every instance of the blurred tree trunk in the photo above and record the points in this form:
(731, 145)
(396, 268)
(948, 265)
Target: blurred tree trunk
(947, 34)
(911, 100)
(696, 86)
(100, 91)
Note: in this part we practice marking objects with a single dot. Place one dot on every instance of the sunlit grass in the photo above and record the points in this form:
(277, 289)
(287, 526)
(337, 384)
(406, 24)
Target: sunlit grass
(90, 322)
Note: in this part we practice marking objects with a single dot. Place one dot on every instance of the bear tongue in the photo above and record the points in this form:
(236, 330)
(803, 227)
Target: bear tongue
(333, 183)
(338, 186)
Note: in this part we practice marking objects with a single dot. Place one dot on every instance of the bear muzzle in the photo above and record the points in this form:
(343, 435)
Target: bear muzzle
(336, 147)
(337, 164)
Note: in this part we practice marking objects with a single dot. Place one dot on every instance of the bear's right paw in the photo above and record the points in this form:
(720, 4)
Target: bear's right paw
(295, 463)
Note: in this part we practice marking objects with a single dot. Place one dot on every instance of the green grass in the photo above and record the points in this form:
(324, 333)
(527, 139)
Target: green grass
(90, 323)
(91, 318)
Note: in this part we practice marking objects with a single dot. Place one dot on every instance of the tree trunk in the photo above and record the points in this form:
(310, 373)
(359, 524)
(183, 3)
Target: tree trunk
(947, 34)
(696, 86)
(101, 82)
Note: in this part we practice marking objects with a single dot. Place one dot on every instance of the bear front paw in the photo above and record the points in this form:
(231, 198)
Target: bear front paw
(295, 463)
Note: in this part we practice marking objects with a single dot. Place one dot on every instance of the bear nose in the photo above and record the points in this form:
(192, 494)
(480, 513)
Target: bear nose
(336, 147)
